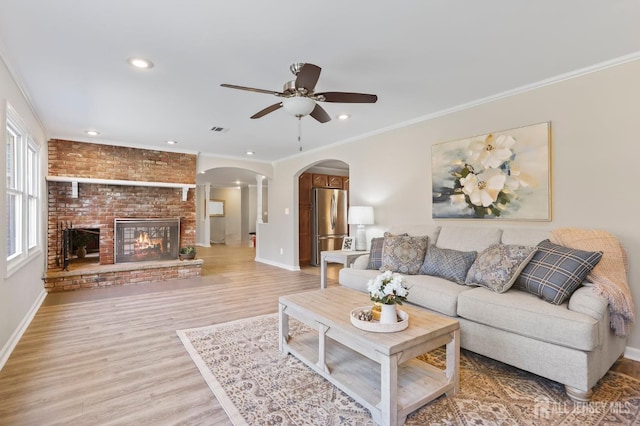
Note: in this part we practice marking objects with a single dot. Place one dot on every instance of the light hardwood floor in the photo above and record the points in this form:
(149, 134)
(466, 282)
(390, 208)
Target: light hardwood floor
(112, 357)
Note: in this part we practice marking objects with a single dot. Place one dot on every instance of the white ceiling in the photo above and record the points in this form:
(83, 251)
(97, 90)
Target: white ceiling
(419, 56)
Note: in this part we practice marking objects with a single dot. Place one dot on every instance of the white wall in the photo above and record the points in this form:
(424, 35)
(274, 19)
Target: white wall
(232, 214)
(595, 127)
(22, 292)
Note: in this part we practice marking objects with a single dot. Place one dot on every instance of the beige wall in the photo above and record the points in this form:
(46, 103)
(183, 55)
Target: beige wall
(22, 292)
(595, 127)
(232, 220)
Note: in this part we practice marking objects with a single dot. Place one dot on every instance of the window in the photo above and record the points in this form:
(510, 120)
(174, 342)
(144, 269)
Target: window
(23, 192)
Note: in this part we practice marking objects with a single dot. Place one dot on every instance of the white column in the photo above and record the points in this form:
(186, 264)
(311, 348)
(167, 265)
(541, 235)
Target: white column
(206, 218)
(259, 179)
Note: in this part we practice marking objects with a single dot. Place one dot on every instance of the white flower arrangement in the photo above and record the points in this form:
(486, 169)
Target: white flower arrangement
(388, 288)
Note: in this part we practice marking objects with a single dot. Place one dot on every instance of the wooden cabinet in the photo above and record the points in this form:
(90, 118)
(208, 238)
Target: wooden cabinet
(304, 187)
(327, 181)
(304, 234)
(320, 181)
(305, 184)
(345, 182)
(335, 182)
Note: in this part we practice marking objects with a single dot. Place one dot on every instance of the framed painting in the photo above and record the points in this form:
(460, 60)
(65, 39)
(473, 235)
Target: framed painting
(347, 244)
(500, 175)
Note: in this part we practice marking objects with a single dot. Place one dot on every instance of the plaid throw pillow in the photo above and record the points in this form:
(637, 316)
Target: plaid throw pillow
(375, 254)
(555, 272)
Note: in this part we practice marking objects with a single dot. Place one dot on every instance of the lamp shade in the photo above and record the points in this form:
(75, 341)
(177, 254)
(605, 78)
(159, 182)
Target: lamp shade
(299, 105)
(360, 215)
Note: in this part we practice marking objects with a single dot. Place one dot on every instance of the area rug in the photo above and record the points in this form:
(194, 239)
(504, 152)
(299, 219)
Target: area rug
(258, 385)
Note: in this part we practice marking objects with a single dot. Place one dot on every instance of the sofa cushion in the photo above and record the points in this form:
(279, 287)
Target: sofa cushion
(527, 315)
(498, 266)
(403, 253)
(434, 293)
(430, 231)
(356, 279)
(524, 237)
(452, 265)
(467, 239)
(555, 272)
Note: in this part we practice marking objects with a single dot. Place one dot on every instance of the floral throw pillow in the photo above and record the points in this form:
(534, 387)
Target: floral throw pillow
(403, 253)
(498, 266)
(449, 264)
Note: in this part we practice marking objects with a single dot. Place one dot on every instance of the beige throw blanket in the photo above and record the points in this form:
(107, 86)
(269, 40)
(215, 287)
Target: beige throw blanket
(609, 277)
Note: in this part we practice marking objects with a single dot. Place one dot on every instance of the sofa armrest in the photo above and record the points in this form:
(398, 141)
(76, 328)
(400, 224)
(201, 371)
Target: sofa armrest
(586, 301)
(361, 262)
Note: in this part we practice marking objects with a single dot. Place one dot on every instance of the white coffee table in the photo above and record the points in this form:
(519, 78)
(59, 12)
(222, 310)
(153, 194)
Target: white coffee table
(378, 370)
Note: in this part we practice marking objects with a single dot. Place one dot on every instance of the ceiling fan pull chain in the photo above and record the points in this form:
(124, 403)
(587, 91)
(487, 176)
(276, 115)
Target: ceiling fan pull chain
(300, 132)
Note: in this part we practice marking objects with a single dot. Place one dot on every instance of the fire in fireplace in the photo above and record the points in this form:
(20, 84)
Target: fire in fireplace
(140, 239)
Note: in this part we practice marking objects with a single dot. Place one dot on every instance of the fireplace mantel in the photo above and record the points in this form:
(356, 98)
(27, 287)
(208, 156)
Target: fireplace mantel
(75, 180)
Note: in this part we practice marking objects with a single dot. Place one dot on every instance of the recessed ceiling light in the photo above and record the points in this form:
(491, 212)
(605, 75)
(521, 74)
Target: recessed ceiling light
(250, 152)
(343, 116)
(141, 63)
(172, 142)
(92, 132)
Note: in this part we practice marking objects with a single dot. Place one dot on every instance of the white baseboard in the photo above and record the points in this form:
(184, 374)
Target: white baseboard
(632, 353)
(279, 265)
(19, 331)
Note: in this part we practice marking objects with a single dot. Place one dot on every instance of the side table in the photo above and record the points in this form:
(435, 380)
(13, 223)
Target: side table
(337, 256)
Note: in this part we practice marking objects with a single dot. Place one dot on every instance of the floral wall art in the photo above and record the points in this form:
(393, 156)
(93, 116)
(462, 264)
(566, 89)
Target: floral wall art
(500, 175)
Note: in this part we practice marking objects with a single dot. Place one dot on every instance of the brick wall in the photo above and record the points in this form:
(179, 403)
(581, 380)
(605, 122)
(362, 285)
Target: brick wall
(98, 205)
(89, 160)
(56, 282)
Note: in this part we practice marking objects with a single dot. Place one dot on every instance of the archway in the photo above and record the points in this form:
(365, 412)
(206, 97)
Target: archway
(328, 174)
(231, 201)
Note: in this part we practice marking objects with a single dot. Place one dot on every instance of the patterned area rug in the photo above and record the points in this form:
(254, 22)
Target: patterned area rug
(257, 385)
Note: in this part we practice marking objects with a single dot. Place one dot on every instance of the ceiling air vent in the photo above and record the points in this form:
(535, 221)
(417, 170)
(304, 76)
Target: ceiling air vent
(219, 129)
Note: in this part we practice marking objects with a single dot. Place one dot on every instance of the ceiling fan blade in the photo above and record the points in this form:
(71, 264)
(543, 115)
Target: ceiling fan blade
(252, 89)
(347, 97)
(267, 110)
(320, 114)
(308, 77)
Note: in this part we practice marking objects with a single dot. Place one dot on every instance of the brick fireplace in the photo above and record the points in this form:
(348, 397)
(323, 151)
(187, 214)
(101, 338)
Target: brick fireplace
(112, 183)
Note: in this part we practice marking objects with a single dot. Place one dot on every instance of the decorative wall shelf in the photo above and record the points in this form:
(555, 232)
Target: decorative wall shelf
(75, 180)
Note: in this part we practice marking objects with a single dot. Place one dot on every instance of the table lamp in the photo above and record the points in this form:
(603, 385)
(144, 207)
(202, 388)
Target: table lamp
(360, 216)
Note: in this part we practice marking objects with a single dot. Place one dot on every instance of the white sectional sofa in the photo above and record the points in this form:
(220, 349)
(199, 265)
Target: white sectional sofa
(571, 343)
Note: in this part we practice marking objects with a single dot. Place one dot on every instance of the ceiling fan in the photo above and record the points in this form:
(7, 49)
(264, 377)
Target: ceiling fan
(300, 98)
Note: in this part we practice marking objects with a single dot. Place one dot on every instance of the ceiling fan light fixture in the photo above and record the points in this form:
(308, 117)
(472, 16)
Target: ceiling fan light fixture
(299, 106)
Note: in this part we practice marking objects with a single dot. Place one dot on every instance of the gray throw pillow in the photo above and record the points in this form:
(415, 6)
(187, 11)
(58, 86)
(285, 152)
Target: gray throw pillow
(555, 271)
(498, 266)
(449, 264)
(403, 253)
(375, 253)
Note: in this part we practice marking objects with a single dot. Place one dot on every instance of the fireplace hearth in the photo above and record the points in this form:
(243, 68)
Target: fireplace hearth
(146, 239)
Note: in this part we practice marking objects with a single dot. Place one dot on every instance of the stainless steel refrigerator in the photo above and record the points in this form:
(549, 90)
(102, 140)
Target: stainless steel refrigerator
(329, 221)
